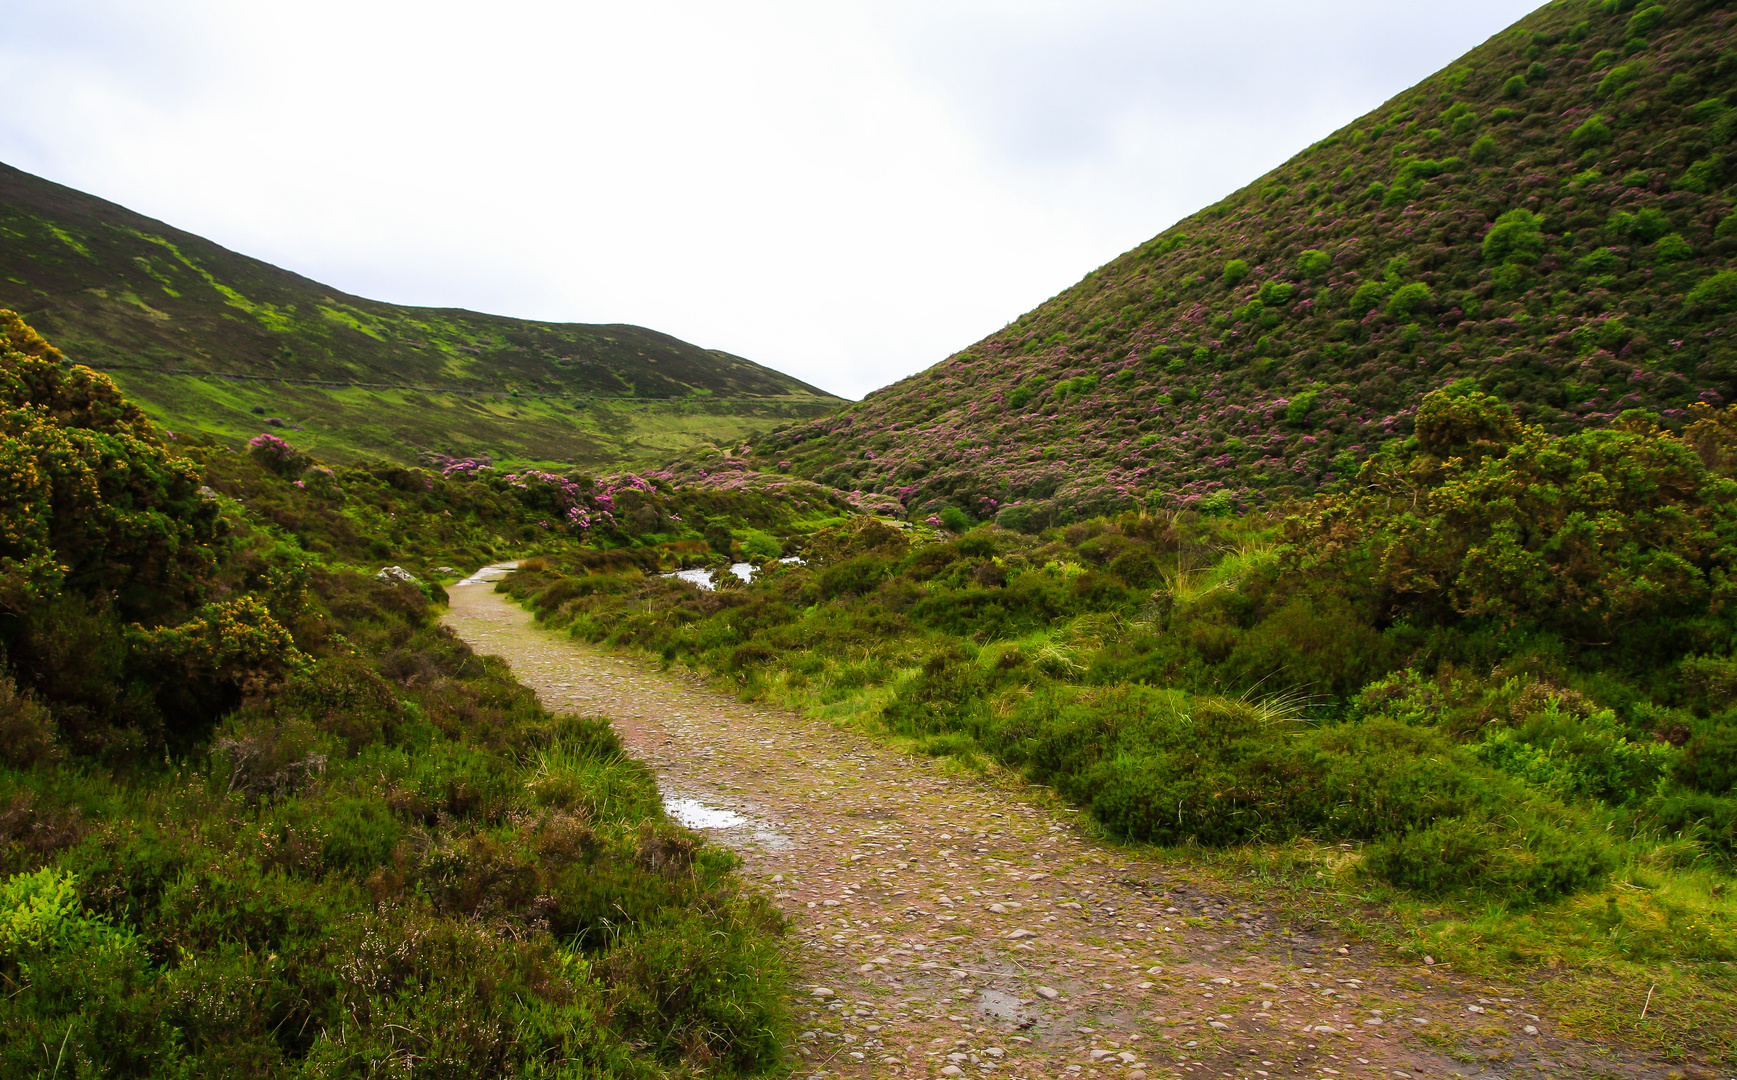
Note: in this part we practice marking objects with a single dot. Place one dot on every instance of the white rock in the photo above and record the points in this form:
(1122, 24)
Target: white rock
(1474, 1008)
(1019, 935)
(1219, 1024)
(952, 1070)
(1099, 1054)
(1047, 993)
(1530, 1030)
(821, 992)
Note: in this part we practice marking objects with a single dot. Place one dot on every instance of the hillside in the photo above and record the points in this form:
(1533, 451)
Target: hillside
(204, 337)
(1549, 219)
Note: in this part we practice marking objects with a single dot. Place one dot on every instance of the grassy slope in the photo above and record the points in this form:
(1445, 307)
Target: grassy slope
(1179, 387)
(122, 292)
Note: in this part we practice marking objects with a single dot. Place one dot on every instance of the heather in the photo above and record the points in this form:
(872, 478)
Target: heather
(1549, 218)
(262, 815)
(1488, 683)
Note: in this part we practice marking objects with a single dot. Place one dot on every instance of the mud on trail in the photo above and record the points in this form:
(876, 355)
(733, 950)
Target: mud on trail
(950, 925)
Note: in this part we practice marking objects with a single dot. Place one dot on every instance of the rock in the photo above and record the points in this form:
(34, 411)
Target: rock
(1219, 1024)
(822, 992)
(396, 574)
(1019, 935)
(1128, 1057)
(999, 909)
(1099, 1054)
(1429, 960)
(1047, 993)
(1530, 1030)
(1160, 971)
(952, 1070)
(1323, 1029)
(1474, 1008)
(1375, 1022)
(1137, 1074)
(1144, 986)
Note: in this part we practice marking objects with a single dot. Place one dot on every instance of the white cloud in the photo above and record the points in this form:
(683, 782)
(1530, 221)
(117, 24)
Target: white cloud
(845, 191)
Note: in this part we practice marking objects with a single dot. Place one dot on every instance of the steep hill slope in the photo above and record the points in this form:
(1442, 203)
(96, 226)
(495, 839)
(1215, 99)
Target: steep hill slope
(1550, 218)
(167, 312)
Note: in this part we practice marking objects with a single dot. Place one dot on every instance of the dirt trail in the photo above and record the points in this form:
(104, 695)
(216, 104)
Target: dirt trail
(946, 925)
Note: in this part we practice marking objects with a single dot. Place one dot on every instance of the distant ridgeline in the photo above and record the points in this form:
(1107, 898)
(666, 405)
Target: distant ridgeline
(202, 336)
(1549, 220)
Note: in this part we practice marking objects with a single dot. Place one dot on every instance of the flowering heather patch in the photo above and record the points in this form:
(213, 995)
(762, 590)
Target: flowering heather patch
(276, 454)
(1459, 234)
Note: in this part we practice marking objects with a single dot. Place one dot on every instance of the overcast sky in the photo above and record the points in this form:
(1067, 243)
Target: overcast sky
(847, 191)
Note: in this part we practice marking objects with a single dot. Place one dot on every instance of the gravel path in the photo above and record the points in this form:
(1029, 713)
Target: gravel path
(953, 925)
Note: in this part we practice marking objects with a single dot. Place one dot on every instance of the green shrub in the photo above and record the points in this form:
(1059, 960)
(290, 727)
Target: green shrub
(1409, 300)
(1514, 86)
(1235, 271)
(1516, 237)
(1485, 150)
(761, 546)
(1594, 131)
(1617, 81)
(1713, 296)
(1727, 227)
(1644, 226)
(1276, 293)
(1298, 410)
(1601, 261)
(1369, 295)
(1646, 20)
(955, 519)
(1703, 177)
(1314, 265)
(1672, 248)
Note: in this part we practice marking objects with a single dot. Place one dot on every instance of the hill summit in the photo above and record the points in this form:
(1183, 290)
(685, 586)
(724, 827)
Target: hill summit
(1549, 220)
(203, 336)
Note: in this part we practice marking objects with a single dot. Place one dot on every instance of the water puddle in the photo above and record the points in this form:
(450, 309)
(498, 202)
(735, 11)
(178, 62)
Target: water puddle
(694, 814)
(494, 572)
(703, 578)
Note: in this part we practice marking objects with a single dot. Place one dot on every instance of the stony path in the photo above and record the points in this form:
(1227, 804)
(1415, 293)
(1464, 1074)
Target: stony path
(948, 925)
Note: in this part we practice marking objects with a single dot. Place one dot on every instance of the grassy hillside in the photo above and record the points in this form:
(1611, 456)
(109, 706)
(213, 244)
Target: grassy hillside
(1549, 220)
(203, 337)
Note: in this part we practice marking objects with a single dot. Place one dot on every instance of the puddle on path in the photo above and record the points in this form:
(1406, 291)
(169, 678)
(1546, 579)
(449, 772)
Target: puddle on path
(694, 814)
(490, 573)
(703, 578)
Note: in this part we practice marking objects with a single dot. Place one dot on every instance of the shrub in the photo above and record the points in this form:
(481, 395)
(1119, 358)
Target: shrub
(1369, 295)
(1276, 293)
(1314, 265)
(1618, 80)
(1727, 227)
(1601, 261)
(1514, 87)
(1517, 237)
(955, 519)
(761, 546)
(1297, 412)
(1702, 177)
(1713, 296)
(1485, 150)
(1235, 271)
(1646, 20)
(1593, 132)
(1410, 299)
(1645, 225)
(1672, 248)
(277, 455)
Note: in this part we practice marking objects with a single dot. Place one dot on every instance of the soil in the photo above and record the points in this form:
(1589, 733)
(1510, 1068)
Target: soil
(948, 923)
